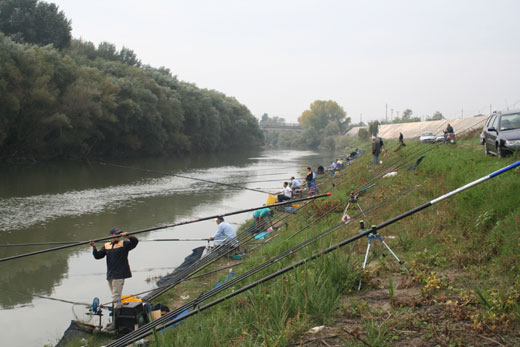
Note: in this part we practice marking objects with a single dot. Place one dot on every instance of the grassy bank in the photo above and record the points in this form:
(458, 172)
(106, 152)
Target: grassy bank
(461, 286)
(462, 257)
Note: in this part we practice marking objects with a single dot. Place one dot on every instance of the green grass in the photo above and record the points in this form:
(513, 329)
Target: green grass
(476, 233)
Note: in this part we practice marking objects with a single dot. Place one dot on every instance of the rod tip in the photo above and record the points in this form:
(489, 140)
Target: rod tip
(329, 194)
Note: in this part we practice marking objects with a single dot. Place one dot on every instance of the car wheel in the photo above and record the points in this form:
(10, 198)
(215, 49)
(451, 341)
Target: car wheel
(499, 151)
(486, 151)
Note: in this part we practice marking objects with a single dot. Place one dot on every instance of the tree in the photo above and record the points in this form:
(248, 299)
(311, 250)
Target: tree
(332, 129)
(321, 113)
(407, 117)
(373, 128)
(436, 116)
(363, 134)
(127, 56)
(328, 144)
(407, 114)
(31, 21)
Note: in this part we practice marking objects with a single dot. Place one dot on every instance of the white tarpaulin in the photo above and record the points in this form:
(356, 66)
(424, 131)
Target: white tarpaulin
(414, 130)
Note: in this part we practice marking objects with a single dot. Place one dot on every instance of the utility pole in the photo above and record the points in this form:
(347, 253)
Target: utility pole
(360, 118)
(386, 112)
(462, 113)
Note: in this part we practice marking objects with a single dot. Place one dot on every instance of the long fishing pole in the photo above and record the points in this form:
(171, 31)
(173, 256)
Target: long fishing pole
(167, 321)
(196, 302)
(109, 304)
(280, 256)
(80, 243)
(271, 261)
(177, 175)
(74, 242)
(45, 297)
(216, 254)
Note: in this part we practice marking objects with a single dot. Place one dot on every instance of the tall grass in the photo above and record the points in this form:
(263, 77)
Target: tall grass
(477, 227)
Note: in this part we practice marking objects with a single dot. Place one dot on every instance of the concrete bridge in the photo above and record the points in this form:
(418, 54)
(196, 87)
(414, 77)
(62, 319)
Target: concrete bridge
(281, 126)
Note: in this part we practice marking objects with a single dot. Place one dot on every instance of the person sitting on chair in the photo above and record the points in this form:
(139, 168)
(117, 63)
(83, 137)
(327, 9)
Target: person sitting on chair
(296, 186)
(224, 232)
(285, 194)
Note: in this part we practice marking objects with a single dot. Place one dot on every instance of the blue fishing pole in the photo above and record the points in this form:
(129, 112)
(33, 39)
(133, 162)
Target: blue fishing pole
(168, 320)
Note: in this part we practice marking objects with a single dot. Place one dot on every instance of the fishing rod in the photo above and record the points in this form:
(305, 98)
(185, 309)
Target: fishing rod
(46, 297)
(274, 180)
(80, 243)
(273, 260)
(168, 319)
(216, 254)
(203, 297)
(74, 242)
(177, 175)
(108, 304)
(288, 252)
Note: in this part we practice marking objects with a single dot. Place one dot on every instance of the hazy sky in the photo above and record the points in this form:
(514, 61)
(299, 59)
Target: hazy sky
(277, 57)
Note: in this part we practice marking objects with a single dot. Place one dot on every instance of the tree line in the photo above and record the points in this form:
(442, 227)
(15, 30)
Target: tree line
(70, 99)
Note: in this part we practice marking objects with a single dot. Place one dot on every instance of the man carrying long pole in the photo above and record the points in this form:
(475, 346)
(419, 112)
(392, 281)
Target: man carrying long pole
(116, 252)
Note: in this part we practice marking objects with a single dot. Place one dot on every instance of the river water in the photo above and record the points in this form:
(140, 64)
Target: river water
(77, 201)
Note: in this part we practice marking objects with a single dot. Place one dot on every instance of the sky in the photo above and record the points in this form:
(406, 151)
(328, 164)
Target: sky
(374, 58)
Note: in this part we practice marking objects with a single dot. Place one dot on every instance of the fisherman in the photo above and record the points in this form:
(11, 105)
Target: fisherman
(295, 183)
(449, 130)
(310, 176)
(116, 252)
(332, 168)
(296, 186)
(260, 215)
(320, 169)
(376, 149)
(401, 138)
(285, 194)
(224, 232)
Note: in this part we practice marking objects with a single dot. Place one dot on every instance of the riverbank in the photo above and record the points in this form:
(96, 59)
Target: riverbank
(462, 284)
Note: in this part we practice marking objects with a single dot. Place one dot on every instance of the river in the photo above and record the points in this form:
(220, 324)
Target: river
(77, 201)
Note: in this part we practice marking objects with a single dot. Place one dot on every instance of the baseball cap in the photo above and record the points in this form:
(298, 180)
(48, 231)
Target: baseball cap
(114, 231)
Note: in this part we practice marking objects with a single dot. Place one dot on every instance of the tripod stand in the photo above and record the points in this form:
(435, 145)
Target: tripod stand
(353, 199)
(375, 236)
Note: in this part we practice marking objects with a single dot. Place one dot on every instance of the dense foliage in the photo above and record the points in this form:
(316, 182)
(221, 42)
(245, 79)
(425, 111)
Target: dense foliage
(99, 101)
(33, 21)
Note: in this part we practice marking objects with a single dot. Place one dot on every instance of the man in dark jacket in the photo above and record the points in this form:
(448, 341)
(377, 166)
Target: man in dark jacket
(376, 149)
(116, 252)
